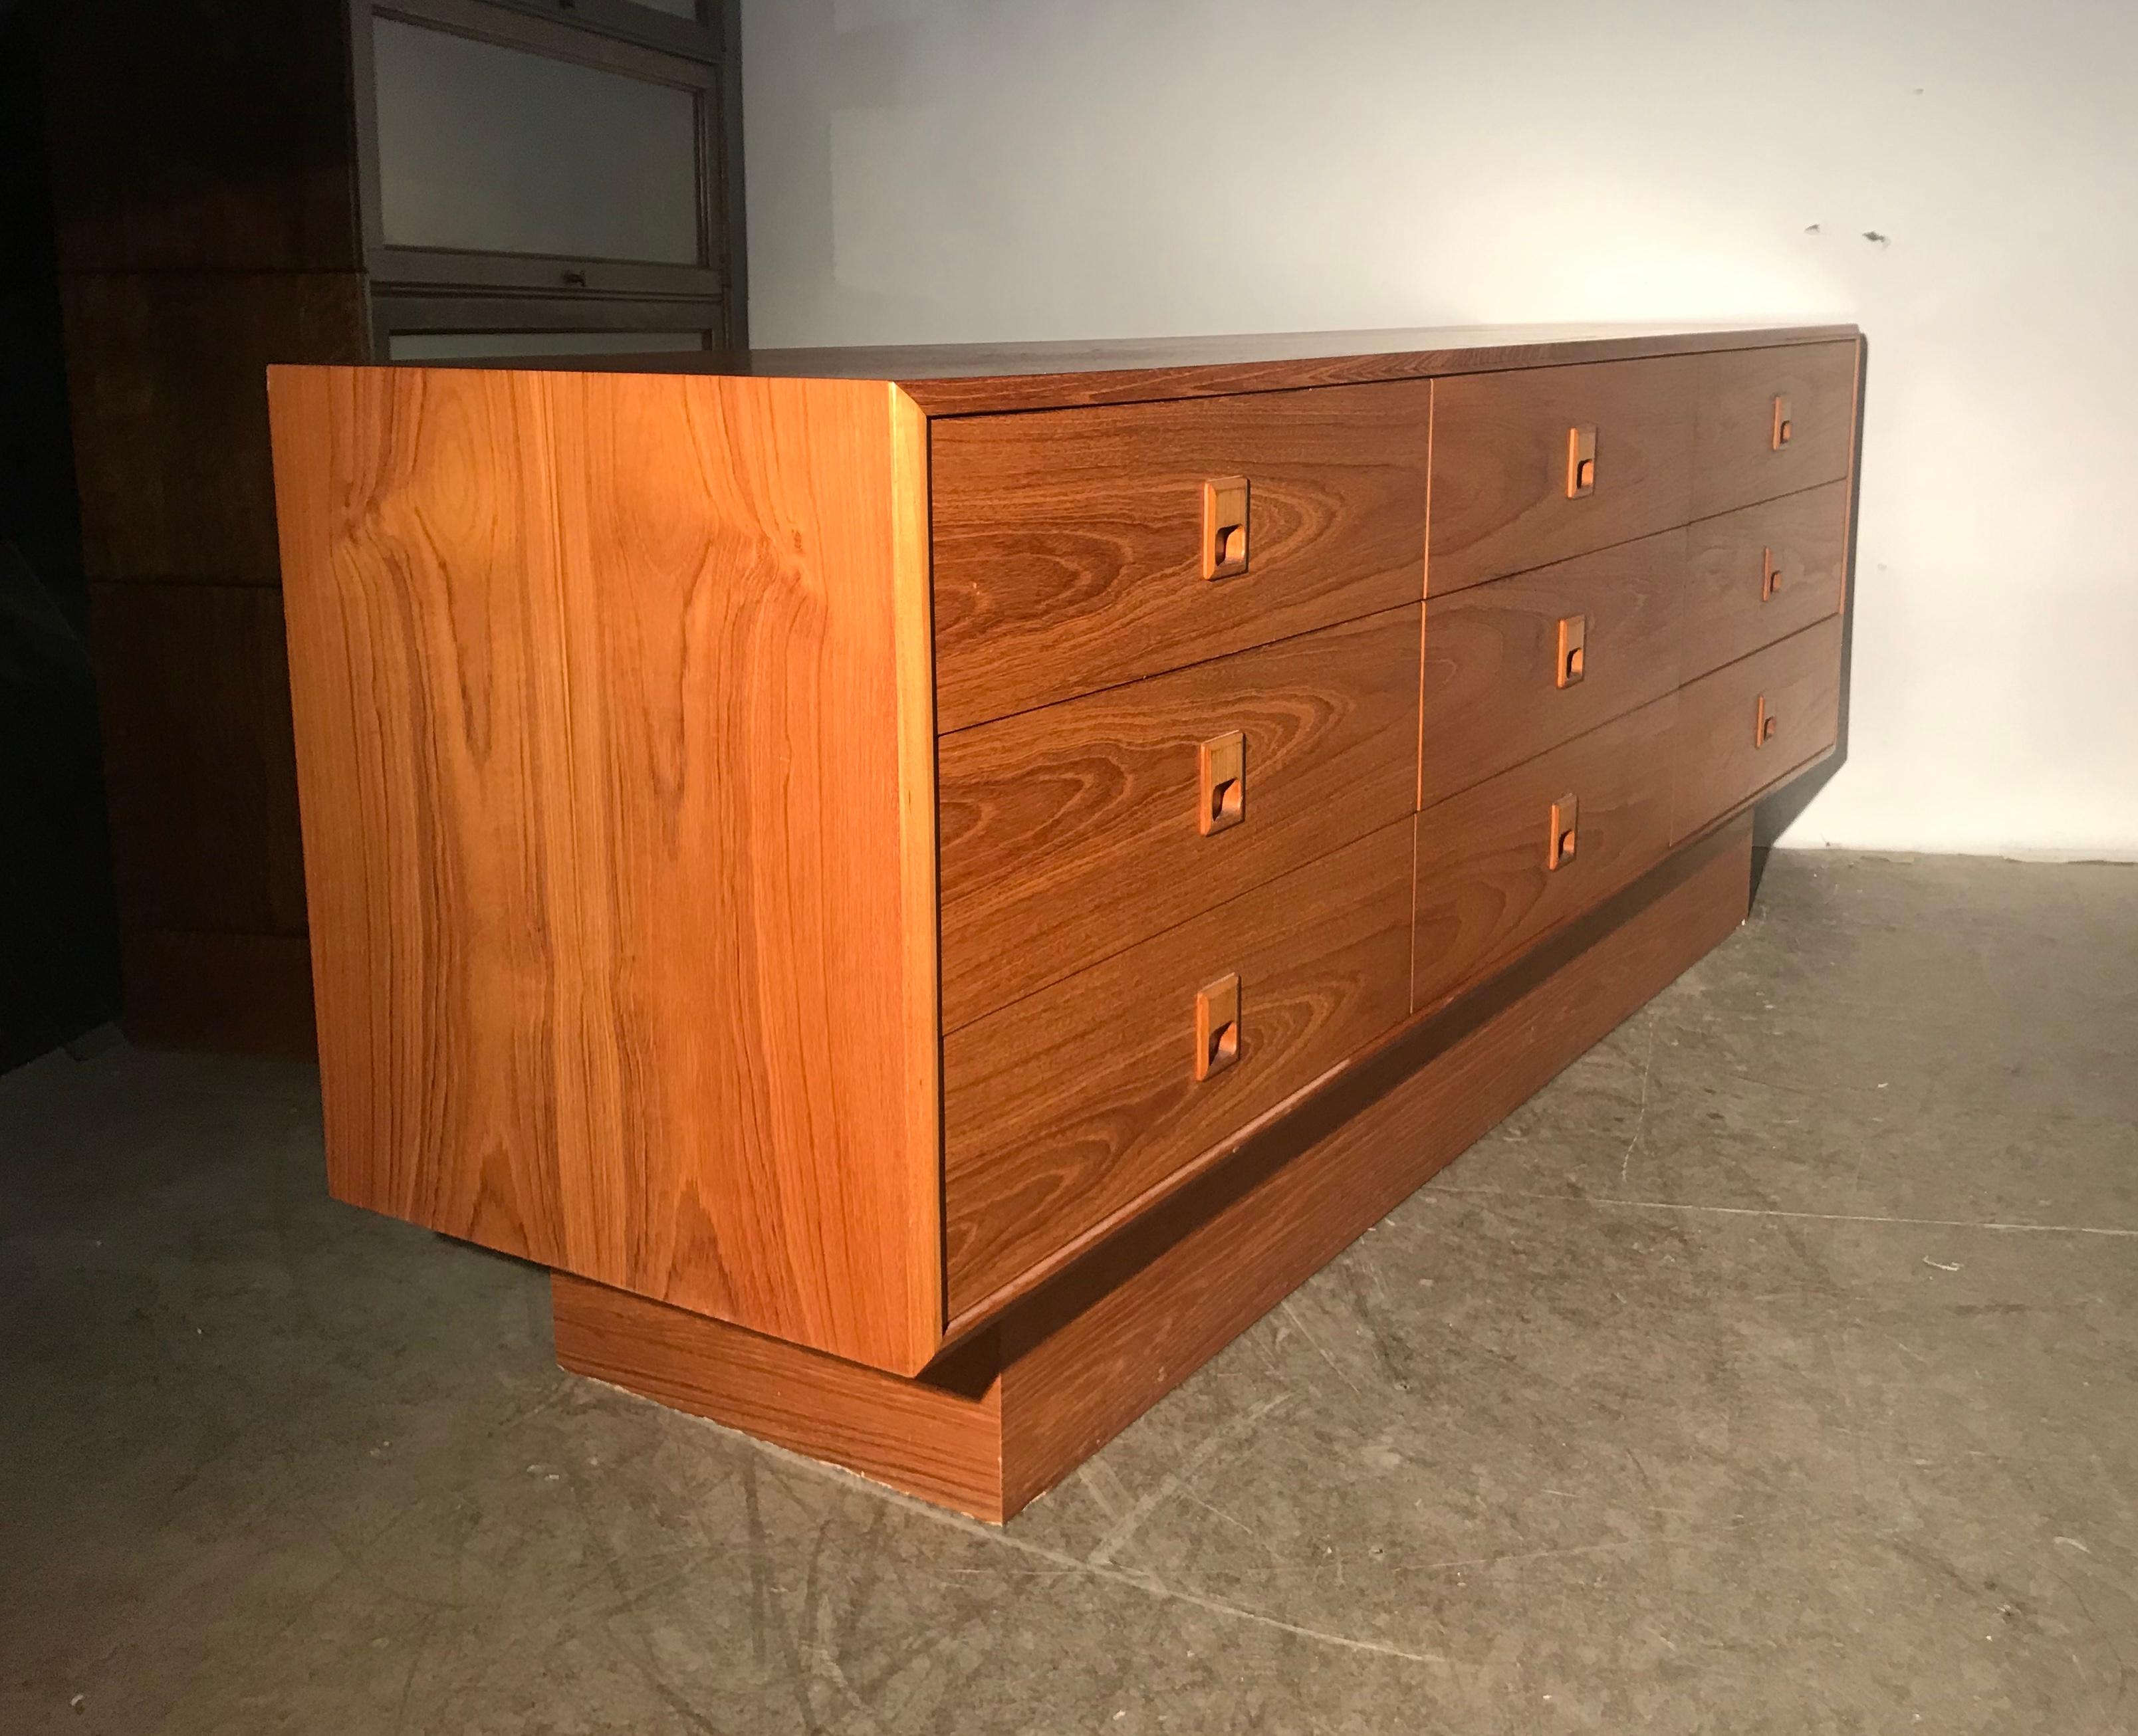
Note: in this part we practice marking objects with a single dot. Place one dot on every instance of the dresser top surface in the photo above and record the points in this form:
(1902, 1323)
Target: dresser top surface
(965, 379)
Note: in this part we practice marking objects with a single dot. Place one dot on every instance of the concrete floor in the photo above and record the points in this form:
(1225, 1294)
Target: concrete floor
(1774, 1370)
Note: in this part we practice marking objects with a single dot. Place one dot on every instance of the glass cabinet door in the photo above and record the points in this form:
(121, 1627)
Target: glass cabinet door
(442, 346)
(591, 152)
(487, 147)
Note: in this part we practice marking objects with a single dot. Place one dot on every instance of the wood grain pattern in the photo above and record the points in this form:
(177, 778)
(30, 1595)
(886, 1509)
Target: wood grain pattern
(981, 379)
(617, 697)
(1727, 614)
(616, 764)
(1484, 892)
(1491, 696)
(1068, 545)
(1070, 833)
(1734, 461)
(199, 767)
(1004, 1416)
(1718, 764)
(1063, 1109)
(1500, 502)
(1086, 1360)
(938, 1435)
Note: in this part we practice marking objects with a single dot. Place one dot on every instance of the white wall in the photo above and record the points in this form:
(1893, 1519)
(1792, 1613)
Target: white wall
(933, 172)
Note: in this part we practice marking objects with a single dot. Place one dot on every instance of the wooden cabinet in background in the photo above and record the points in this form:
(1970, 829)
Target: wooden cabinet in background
(324, 181)
(931, 897)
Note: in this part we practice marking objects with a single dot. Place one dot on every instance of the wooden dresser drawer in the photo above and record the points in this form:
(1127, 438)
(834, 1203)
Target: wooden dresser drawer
(1059, 1111)
(1489, 881)
(1516, 666)
(1073, 831)
(1762, 573)
(1509, 492)
(1743, 727)
(1772, 422)
(1070, 547)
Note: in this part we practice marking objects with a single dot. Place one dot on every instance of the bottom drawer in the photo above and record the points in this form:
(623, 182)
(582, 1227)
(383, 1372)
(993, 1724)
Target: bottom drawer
(1503, 864)
(1753, 723)
(1062, 1108)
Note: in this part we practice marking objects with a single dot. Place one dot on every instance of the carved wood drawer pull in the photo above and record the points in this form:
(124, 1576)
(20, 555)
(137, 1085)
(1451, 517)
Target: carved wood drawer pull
(1221, 778)
(1224, 527)
(1580, 460)
(1770, 575)
(1565, 818)
(1217, 1025)
(1572, 654)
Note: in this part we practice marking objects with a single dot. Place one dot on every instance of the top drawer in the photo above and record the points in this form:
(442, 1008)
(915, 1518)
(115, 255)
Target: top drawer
(1535, 466)
(1772, 421)
(1073, 548)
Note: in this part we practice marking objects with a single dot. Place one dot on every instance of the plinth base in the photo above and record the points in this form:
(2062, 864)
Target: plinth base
(1019, 1403)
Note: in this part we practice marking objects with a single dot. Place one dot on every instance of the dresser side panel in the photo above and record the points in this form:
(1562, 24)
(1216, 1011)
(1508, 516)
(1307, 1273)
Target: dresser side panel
(613, 736)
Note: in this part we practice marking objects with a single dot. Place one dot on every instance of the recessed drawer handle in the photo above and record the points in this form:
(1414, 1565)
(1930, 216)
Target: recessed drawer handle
(1217, 1025)
(1221, 774)
(1580, 460)
(1770, 575)
(1764, 722)
(1224, 527)
(1565, 818)
(1572, 653)
(1783, 427)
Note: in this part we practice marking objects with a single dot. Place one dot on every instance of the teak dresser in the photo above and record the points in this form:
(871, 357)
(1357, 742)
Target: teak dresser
(932, 888)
